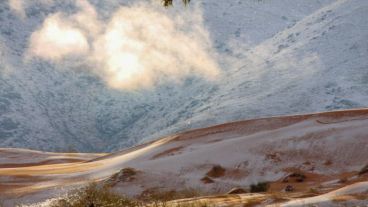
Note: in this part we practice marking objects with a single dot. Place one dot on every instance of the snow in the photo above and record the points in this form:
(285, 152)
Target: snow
(277, 57)
(235, 146)
(14, 156)
(327, 199)
(361, 187)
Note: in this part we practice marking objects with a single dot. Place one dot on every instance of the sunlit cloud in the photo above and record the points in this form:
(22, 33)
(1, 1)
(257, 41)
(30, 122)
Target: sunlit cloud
(56, 39)
(87, 18)
(138, 47)
(136, 50)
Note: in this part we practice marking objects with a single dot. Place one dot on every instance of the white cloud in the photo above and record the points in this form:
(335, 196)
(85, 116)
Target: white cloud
(137, 47)
(87, 18)
(56, 39)
(140, 45)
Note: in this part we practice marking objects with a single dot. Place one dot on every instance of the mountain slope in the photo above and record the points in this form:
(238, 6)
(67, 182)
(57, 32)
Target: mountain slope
(277, 57)
(314, 65)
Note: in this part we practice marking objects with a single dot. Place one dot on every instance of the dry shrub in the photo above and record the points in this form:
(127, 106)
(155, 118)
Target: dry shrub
(253, 202)
(186, 204)
(313, 191)
(94, 196)
(157, 196)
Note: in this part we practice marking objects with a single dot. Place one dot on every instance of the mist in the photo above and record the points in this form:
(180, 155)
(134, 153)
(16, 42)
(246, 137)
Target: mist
(139, 46)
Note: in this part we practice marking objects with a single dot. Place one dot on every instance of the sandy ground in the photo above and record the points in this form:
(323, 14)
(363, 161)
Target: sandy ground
(329, 149)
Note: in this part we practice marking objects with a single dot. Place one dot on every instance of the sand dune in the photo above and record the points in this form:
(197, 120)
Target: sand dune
(325, 147)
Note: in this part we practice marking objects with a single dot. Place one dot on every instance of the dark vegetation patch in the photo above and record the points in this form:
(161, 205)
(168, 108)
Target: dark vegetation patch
(207, 180)
(96, 196)
(343, 180)
(124, 175)
(93, 196)
(237, 191)
(275, 157)
(216, 172)
(289, 188)
(328, 163)
(294, 177)
(364, 170)
(155, 195)
(259, 187)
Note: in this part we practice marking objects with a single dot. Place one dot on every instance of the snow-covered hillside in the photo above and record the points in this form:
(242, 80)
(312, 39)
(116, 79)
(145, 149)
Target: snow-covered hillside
(276, 57)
